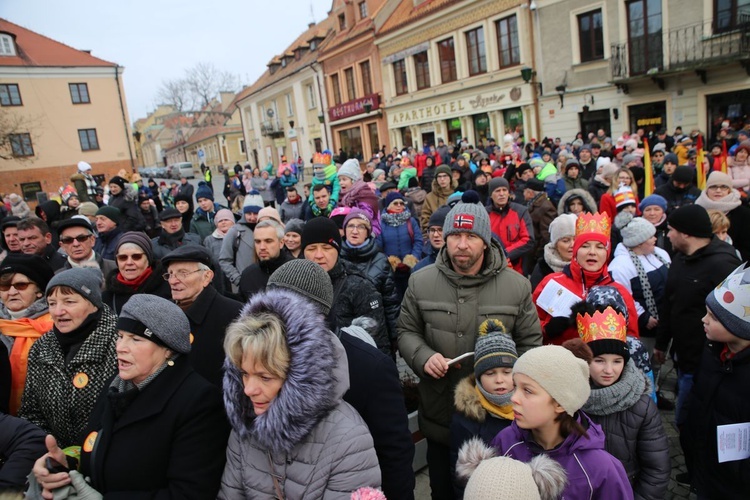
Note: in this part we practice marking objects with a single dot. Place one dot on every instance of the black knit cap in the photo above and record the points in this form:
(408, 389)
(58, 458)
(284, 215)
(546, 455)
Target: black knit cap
(535, 184)
(32, 266)
(119, 181)
(683, 173)
(321, 230)
(692, 220)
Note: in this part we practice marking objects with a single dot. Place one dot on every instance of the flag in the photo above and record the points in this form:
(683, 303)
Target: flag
(724, 157)
(700, 168)
(648, 170)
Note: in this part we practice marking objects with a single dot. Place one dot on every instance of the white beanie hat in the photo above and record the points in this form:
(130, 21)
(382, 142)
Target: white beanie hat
(351, 169)
(601, 161)
(83, 166)
(563, 225)
(559, 372)
(634, 230)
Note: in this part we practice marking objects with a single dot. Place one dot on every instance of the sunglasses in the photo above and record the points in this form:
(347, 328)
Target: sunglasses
(398, 203)
(20, 286)
(136, 257)
(67, 240)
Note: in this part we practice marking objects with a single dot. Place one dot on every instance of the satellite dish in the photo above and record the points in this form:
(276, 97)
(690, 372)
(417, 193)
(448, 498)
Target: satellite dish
(270, 113)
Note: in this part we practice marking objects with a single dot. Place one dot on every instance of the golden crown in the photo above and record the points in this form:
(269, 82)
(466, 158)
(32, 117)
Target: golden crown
(607, 324)
(593, 223)
(321, 159)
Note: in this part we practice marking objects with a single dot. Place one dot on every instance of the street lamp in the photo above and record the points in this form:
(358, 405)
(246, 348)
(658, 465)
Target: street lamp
(322, 118)
(368, 107)
(561, 92)
(527, 73)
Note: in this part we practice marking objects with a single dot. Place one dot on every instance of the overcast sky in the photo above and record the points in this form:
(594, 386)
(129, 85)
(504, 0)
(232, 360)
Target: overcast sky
(157, 40)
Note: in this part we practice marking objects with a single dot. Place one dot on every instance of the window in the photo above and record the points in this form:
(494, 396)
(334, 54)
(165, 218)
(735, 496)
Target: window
(336, 89)
(351, 88)
(283, 63)
(422, 69)
(730, 14)
(447, 61)
(507, 42)
(7, 45)
(10, 95)
(310, 97)
(362, 10)
(364, 69)
(289, 107)
(342, 22)
(644, 36)
(591, 36)
(20, 145)
(313, 45)
(89, 141)
(242, 146)
(476, 53)
(372, 132)
(399, 73)
(79, 93)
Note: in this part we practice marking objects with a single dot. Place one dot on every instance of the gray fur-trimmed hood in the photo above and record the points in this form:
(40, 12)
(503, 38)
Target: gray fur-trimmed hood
(316, 382)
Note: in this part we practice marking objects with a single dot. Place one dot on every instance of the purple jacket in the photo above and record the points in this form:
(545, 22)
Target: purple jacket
(592, 472)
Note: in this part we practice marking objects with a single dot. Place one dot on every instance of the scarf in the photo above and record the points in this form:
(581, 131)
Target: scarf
(69, 342)
(621, 395)
(553, 259)
(121, 392)
(724, 205)
(172, 240)
(218, 234)
(136, 283)
(395, 220)
(648, 294)
(87, 262)
(497, 406)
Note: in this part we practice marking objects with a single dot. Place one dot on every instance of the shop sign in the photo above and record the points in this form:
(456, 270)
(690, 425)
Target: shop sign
(353, 108)
(279, 143)
(447, 109)
(645, 122)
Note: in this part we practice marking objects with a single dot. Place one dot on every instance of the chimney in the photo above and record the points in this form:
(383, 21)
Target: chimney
(310, 25)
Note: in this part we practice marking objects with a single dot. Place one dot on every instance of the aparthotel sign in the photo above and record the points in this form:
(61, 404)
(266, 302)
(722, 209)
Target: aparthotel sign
(448, 109)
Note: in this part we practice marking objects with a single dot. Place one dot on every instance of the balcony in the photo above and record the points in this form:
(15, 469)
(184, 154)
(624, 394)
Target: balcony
(688, 48)
(271, 128)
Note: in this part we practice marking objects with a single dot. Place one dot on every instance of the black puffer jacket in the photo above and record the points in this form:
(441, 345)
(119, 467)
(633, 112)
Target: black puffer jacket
(370, 261)
(633, 429)
(126, 201)
(21, 444)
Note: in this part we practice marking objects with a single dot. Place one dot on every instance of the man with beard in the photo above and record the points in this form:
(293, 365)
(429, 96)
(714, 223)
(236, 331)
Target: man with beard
(268, 237)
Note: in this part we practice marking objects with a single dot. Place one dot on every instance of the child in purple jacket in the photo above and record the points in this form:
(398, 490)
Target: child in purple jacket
(551, 387)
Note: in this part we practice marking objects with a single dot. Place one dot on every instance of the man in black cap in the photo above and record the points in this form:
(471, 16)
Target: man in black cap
(542, 213)
(108, 231)
(10, 241)
(173, 235)
(77, 240)
(700, 263)
(587, 162)
(680, 190)
(189, 274)
(35, 238)
(355, 295)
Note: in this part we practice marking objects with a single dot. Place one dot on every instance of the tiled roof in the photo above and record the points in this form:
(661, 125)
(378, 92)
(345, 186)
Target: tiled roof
(204, 133)
(407, 13)
(33, 49)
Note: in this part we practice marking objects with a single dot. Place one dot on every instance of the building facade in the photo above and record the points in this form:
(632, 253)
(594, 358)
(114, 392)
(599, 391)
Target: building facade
(59, 106)
(452, 69)
(644, 64)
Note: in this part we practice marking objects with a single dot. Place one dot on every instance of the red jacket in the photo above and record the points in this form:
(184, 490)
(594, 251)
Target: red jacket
(571, 278)
(607, 205)
(513, 226)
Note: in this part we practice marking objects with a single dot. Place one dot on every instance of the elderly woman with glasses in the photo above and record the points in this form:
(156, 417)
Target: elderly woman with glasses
(719, 195)
(137, 272)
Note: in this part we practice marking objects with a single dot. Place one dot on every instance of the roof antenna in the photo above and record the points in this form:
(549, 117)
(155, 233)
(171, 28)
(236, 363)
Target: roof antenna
(312, 14)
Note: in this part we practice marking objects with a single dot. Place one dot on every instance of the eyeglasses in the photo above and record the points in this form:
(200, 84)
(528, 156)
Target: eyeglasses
(358, 227)
(181, 275)
(435, 230)
(81, 238)
(716, 188)
(136, 257)
(20, 286)
(398, 203)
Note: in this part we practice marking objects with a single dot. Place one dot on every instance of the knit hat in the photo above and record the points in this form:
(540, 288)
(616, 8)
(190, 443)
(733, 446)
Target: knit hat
(604, 331)
(438, 216)
(671, 158)
(223, 214)
(83, 166)
(498, 182)
(442, 169)
(494, 348)
(157, 319)
(468, 218)
(744, 145)
(653, 200)
(306, 278)
(683, 173)
(692, 220)
(660, 146)
(204, 191)
(321, 230)
(586, 147)
(535, 184)
(627, 159)
(111, 213)
(86, 281)
(119, 181)
(169, 213)
(360, 215)
(624, 196)
(141, 240)
(718, 178)
(728, 302)
(559, 372)
(294, 226)
(563, 225)
(32, 266)
(391, 197)
(634, 230)
(608, 170)
(572, 162)
(351, 169)
(523, 167)
(88, 208)
(253, 202)
(271, 213)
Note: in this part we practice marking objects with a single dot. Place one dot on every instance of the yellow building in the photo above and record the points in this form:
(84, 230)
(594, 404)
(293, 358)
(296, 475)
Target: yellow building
(151, 137)
(58, 106)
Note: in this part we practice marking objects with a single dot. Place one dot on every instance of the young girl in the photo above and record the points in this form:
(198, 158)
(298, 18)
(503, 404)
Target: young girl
(621, 403)
(551, 387)
(482, 400)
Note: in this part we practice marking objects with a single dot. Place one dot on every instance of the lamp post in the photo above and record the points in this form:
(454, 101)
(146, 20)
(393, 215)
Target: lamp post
(529, 75)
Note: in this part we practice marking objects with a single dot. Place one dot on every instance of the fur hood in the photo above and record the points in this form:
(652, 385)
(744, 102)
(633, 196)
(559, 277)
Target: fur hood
(467, 401)
(316, 382)
(588, 200)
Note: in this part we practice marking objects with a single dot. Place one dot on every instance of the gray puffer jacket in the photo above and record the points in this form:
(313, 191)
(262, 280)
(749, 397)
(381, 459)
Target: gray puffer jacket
(318, 446)
(634, 432)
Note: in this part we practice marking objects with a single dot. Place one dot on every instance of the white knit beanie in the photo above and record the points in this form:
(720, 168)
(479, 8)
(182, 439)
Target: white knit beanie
(351, 169)
(634, 230)
(559, 372)
(563, 225)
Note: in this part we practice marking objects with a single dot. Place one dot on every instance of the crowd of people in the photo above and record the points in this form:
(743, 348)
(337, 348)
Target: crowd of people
(155, 343)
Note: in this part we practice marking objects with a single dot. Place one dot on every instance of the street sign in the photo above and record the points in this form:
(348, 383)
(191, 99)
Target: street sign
(201, 154)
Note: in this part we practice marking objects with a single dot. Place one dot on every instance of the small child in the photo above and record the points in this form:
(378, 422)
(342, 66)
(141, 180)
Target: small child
(482, 400)
(721, 390)
(551, 386)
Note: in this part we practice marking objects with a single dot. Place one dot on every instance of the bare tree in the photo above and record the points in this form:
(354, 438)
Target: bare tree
(18, 133)
(176, 94)
(195, 90)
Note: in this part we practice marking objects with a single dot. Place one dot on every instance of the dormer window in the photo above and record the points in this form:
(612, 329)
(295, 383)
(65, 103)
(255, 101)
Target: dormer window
(313, 45)
(342, 22)
(283, 63)
(7, 45)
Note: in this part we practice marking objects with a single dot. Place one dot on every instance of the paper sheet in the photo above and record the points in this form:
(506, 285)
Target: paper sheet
(459, 358)
(556, 299)
(733, 442)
